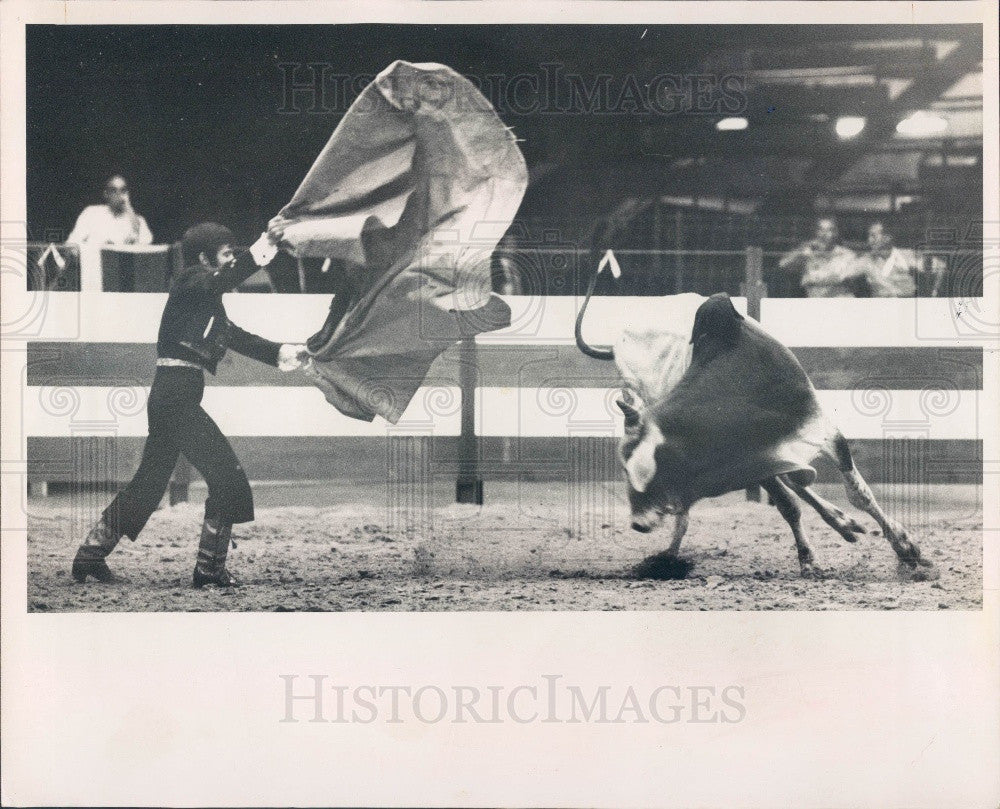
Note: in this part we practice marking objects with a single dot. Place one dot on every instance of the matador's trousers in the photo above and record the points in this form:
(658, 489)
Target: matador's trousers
(178, 424)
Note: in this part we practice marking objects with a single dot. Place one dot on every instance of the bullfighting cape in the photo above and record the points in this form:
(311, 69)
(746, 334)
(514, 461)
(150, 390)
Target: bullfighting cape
(415, 188)
(733, 403)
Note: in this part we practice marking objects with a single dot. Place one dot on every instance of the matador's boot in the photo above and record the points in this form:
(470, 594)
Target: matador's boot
(90, 556)
(212, 551)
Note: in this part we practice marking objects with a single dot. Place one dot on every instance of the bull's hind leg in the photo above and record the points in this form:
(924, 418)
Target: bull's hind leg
(861, 496)
(788, 507)
(843, 524)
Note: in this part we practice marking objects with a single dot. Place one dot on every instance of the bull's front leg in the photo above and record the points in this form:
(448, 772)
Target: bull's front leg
(680, 529)
(667, 564)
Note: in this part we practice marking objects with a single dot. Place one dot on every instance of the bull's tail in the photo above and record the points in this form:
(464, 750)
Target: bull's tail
(591, 351)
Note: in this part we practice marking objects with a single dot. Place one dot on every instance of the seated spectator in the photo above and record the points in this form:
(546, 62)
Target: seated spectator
(827, 268)
(888, 270)
(115, 222)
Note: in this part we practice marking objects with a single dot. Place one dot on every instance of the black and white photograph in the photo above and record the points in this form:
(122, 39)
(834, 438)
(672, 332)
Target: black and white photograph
(407, 226)
(437, 383)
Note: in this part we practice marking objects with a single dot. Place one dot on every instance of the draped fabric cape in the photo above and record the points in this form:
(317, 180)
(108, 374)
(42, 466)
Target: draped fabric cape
(414, 189)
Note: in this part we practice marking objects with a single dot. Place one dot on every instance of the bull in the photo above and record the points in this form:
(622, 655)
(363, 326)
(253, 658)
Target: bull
(722, 408)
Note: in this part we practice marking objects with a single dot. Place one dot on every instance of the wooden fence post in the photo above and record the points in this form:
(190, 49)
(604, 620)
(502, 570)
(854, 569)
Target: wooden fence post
(678, 248)
(753, 289)
(469, 486)
(302, 273)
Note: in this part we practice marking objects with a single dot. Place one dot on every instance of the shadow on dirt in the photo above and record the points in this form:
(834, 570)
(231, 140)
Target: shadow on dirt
(662, 567)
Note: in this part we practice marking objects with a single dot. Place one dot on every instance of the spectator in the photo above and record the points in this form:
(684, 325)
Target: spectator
(889, 271)
(115, 222)
(827, 268)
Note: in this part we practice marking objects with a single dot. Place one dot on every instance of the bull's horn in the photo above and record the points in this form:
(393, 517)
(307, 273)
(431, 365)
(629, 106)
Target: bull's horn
(591, 351)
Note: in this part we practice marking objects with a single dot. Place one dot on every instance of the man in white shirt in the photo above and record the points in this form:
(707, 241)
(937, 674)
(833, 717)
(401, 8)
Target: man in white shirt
(888, 270)
(826, 268)
(115, 222)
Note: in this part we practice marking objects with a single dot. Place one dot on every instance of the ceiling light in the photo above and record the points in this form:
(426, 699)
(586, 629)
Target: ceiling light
(922, 124)
(732, 124)
(849, 126)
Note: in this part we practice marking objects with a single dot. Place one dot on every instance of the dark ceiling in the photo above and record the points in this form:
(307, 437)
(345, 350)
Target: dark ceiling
(200, 119)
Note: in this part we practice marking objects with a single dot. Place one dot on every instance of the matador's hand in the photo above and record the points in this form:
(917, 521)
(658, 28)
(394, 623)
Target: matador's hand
(291, 356)
(276, 228)
(263, 250)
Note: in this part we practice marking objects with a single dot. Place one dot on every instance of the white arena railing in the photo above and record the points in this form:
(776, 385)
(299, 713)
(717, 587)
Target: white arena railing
(903, 379)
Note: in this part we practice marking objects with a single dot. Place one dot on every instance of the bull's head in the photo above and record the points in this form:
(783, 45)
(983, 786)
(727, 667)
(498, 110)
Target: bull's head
(645, 454)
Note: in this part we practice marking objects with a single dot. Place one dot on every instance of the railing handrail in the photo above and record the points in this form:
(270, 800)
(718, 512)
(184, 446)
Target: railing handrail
(625, 251)
(923, 249)
(629, 251)
(77, 245)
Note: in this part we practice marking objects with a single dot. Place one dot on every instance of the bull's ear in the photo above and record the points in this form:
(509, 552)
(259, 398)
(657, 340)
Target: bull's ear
(631, 414)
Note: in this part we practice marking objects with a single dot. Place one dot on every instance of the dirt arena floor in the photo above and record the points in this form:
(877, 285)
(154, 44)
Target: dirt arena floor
(329, 547)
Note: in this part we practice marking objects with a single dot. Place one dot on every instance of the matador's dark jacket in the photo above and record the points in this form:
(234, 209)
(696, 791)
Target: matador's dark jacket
(195, 327)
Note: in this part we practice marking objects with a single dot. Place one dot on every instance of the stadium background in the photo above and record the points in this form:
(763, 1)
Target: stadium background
(222, 122)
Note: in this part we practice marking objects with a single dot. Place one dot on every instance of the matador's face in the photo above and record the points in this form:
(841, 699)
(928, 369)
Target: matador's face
(225, 258)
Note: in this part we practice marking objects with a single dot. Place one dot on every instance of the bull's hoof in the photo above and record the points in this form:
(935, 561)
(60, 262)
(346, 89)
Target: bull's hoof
(925, 571)
(662, 566)
(909, 556)
(849, 528)
(811, 571)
